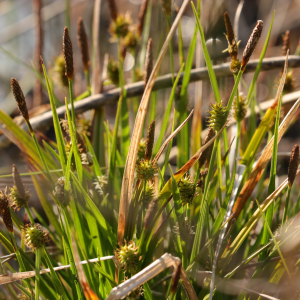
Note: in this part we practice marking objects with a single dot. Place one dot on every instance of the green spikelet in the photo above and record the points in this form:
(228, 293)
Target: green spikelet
(240, 109)
(127, 257)
(131, 40)
(149, 194)
(217, 118)
(120, 27)
(34, 236)
(113, 71)
(59, 69)
(145, 169)
(186, 190)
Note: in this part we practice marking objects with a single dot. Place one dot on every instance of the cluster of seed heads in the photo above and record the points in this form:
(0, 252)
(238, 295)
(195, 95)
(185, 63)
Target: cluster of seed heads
(240, 107)
(218, 116)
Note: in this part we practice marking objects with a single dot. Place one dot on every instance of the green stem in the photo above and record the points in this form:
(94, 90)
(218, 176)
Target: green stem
(71, 97)
(38, 258)
(286, 206)
(29, 214)
(88, 82)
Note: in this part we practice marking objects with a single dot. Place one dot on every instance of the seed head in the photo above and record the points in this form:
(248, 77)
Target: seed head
(101, 185)
(252, 42)
(113, 71)
(127, 257)
(83, 44)
(286, 42)
(112, 9)
(150, 141)
(202, 177)
(5, 212)
(217, 117)
(148, 62)
(120, 26)
(231, 39)
(68, 54)
(20, 98)
(87, 159)
(240, 109)
(59, 191)
(206, 154)
(186, 190)
(131, 40)
(141, 149)
(135, 294)
(34, 236)
(141, 19)
(167, 6)
(175, 278)
(145, 169)
(149, 194)
(60, 71)
(293, 165)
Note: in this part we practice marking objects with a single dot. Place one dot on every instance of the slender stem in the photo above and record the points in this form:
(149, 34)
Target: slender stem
(38, 257)
(72, 102)
(286, 206)
(29, 214)
(88, 81)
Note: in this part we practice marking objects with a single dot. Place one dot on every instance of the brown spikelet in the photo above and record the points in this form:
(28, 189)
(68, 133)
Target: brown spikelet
(20, 98)
(293, 165)
(252, 42)
(83, 44)
(148, 62)
(18, 181)
(285, 42)
(232, 44)
(167, 6)
(141, 19)
(206, 154)
(112, 9)
(150, 141)
(68, 54)
(150, 213)
(175, 279)
(5, 212)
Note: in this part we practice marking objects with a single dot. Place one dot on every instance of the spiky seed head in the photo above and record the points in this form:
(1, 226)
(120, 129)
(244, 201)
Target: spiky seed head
(135, 294)
(252, 42)
(290, 82)
(141, 149)
(148, 62)
(127, 257)
(60, 71)
(113, 71)
(217, 118)
(141, 19)
(120, 26)
(150, 213)
(112, 9)
(186, 190)
(131, 40)
(150, 141)
(293, 165)
(101, 185)
(5, 212)
(148, 194)
(206, 154)
(175, 278)
(34, 236)
(68, 54)
(83, 44)
(167, 7)
(59, 191)
(20, 98)
(232, 43)
(285, 42)
(145, 169)
(240, 108)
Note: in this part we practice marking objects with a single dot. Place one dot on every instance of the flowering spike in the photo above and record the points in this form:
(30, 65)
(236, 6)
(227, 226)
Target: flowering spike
(34, 236)
(141, 19)
(83, 44)
(68, 54)
(167, 7)
(286, 42)
(20, 98)
(150, 141)
(145, 169)
(148, 62)
(175, 278)
(217, 117)
(252, 42)
(5, 212)
(112, 9)
(186, 190)
(293, 165)
(240, 109)
(127, 257)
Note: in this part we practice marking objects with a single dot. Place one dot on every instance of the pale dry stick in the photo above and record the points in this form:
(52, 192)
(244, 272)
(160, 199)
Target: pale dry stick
(237, 18)
(164, 262)
(128, 177)
(8, 278)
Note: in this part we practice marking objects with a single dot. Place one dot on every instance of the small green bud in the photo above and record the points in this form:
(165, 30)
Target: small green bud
(34, 236)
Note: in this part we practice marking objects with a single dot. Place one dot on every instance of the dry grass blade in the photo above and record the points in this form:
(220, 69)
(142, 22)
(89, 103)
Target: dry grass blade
(128, 177)
(8, 278)
(188, 286)
(167, 141)
(267, 153)
(122, 290)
